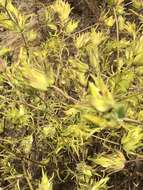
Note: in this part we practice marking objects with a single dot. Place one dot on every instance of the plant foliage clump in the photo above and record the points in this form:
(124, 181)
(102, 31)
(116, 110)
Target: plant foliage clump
(70, 98)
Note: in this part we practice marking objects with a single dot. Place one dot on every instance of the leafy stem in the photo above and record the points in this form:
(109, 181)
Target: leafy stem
(15, 21)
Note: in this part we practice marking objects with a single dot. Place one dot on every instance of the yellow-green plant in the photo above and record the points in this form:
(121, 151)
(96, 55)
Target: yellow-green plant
(70, 95)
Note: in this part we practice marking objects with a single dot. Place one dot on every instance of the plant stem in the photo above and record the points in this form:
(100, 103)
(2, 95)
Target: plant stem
(117, 32)
(15, 21)
(27, 176)
(128, 120)
(64, 94)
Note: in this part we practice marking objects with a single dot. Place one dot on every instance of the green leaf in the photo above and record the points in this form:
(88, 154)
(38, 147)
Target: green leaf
(120, 110)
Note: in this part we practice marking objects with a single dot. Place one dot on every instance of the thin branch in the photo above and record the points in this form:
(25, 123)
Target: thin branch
(134, 160)
(17, 24)
(128, 120)
(33, 161)
(64, 94)
(117, 32)
(27, 176)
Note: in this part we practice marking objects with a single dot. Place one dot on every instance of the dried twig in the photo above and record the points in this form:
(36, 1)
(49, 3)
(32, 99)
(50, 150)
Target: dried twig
(128, 120)
(64, 94)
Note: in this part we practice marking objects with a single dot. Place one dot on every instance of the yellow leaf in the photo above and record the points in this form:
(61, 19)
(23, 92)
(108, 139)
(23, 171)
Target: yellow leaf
(99, 121)
(71, 26)
(101, 184)
(113, 162)
(63, 9)
(2, 65)
(31, 35)
(4, 50)
(45, 184)
(100, 97)
(38, 79)
(26, 144)
(82, 40)
(110, 21)
(133, 139)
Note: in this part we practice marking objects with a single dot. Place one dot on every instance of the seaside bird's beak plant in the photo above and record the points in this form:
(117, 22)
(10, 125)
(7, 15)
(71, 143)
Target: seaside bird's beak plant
(70, 97)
